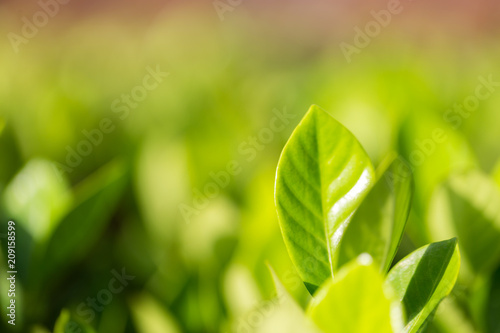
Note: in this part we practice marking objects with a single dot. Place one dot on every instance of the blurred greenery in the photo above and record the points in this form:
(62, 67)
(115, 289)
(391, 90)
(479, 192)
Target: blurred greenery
(119, 208)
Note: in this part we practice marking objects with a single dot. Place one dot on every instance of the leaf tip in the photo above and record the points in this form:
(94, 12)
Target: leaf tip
(316, 109)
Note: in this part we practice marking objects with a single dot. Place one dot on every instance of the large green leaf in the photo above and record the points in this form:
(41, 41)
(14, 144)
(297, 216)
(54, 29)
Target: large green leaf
(468, 206)
(322, 177)
(378, 225)
(357, 300)
(424, 278)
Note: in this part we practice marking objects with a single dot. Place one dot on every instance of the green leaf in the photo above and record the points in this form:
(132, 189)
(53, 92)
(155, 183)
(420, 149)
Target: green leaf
(468, 206)
(82, 226)
(424, 278)
(66, 324)
(357, 300)
(378, 225)
(150, 316)
(322, 177)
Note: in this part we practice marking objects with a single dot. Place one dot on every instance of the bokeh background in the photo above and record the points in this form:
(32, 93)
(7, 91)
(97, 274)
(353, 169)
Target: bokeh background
(151, 195)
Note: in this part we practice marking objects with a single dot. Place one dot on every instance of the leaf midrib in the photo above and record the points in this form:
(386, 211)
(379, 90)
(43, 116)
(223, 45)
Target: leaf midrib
(318, 165)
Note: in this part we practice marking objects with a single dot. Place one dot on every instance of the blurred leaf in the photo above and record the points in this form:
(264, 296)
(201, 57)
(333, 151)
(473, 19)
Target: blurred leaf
(37, 198)
(150, 317)
(96, 199)
(9, 148)
(424, 278)
(260, 237)
(451, 318)
(200, 237)
(378, 225)
(357, 300)
(433, 149)
(240, 289)
(62, 321)
(284, 315)
(468, 206)
(66, 324)
(322, 176)
(114, 317)
(159, 193)
(477, 300)
(39, 329)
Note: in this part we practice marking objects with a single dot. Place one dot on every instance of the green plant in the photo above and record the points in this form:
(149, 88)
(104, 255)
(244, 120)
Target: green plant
(342, 222)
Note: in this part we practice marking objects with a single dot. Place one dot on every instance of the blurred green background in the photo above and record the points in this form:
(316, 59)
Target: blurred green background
(151, 195)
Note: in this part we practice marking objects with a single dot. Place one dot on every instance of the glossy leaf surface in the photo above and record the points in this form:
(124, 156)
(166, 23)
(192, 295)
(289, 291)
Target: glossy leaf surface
(378, 225)
(423, 279)
(468, 206)
(322, 177)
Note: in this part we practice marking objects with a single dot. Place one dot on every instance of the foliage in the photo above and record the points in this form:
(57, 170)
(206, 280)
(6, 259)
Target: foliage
(209, 274)
(329, 202)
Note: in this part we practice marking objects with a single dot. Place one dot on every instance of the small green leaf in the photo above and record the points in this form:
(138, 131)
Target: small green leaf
(467, 206)
(322, 177)
(150, 316)
(66, 324)
(424, 278)
(378, 225)
(357, 300)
